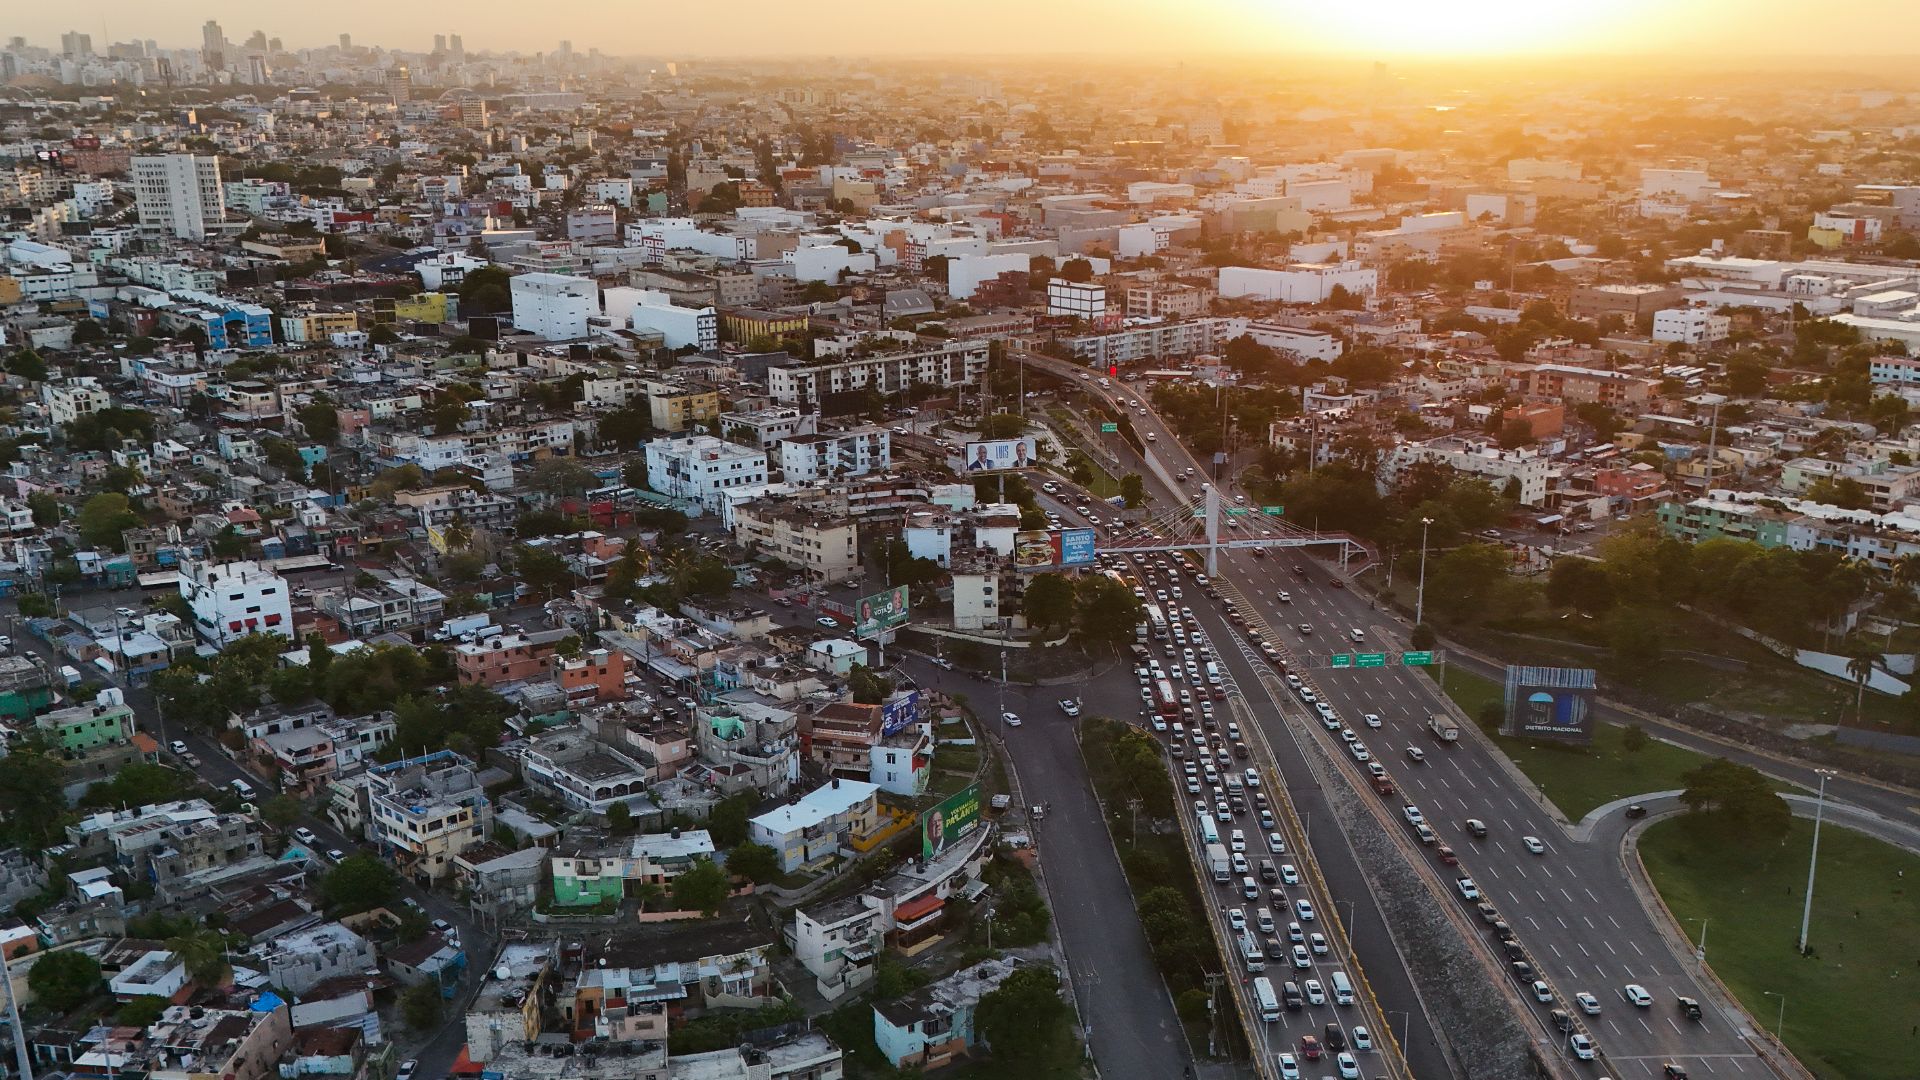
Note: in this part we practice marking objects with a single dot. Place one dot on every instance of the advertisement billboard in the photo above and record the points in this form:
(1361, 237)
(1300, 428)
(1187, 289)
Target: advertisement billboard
(1550, 703)
(881, 611)
(1000, 455)
(900, 713)
(950, 822)
(1045, 549)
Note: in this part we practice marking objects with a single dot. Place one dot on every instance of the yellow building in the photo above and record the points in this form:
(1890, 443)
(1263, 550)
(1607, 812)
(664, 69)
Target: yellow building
(317, 325)
(429, 307)
(675, 405)
(745, 324)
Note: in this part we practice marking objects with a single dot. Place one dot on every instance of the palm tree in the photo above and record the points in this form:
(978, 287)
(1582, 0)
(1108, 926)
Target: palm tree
(1860, 668)
(648, 893)
(204, 952)
(458, 534)
(1906, 570)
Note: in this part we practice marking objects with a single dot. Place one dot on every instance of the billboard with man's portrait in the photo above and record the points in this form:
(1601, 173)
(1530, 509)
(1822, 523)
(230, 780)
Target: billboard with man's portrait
(950, 822)
(881, 611)
(1000, 455)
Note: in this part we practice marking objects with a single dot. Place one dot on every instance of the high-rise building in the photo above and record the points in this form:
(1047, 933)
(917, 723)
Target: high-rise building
(257, 71)
(273, 45)
(456, 47)
(213, 45)
(346, 42)
(566, 48)
(400, 84)
(178, 195)
(439, 43)
(257, 40)
(75, 45)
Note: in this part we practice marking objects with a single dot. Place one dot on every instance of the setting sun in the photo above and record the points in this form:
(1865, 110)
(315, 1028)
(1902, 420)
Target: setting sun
(1464, 27)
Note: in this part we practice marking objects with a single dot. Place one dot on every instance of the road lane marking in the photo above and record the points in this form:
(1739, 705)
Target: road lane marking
(1610, 948)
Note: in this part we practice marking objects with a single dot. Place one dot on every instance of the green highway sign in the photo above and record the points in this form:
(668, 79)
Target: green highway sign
(1109, 429)
(1416, 659)
(1236, 511)
(1341, 659)
(1371, 659)
(1273, 511)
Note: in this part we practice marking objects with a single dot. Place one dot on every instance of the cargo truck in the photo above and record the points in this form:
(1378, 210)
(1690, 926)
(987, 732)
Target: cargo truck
(1217, 859)
(1443, 727)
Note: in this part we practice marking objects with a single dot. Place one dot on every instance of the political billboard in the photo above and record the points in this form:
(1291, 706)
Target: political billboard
(1550, 703)
(1000, 455)
(901, 712)
(881, 611)
(1045, 549)
(950, 822)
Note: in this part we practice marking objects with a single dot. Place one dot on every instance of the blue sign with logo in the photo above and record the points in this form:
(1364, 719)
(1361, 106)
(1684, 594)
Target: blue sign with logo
(902, 711)
(1076, 547)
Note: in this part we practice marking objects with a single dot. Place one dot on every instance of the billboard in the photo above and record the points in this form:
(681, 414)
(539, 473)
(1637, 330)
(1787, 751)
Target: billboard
(881, 611)
(902, 711)
(1550, 703)
(1000, 455)
(950, 822)
(1044, 549)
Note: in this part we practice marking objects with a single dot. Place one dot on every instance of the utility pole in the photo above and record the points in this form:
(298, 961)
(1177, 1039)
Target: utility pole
(1813, 862)
(1420, 595)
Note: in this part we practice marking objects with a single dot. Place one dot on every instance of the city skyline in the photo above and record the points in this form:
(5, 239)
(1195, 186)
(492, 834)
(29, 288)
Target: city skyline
(1707, 30)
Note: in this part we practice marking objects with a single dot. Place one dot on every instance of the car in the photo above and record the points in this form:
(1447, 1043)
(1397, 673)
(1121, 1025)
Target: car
(1157, 722)
(1542, 992)
(1445, 855)
(1264, 920)
(1360, 752)
(1416, 753)
(1236, 919)
(1335, 1038)
(823, 621)
(1288, 875)
(407, 1069)
(1253, 779)
(1306, 629)
(1412, 814)
(1468, 889)
(1475, 826)
(1349, 736)
(1010, 719)
(1070, 706)
(1318, 943)
(442, 925)
(1237, 841)
(1303, 909)
(1581, 1044)
(1276, 844)
(179, 748)
(1635, 810)
(1289, 1068)
(1670, 1071)
(1588, 1003)
(1294, 934)
(1316, 995)
(1533, 844)
(1637, 996)
(1488, 913)
(1283, 596)
(1372, 719)
(1310, 1047)
(304, 835)
(1362, 1038)
(1349, 1068)
(1301, 959)
(335, 855)
(126, 612)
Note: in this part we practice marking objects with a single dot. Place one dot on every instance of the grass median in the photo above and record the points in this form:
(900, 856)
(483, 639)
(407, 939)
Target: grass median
(1579, 778)
(1847, 1002)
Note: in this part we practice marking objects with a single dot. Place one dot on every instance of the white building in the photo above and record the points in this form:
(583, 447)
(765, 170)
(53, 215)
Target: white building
(228, 601)
(1691, 326)
(1076, 299)
(949, 364)
(1297, 341)
(71, 400)
(1689, 184)
(966, 272)
(1303, 283)
(1479, 457)
(178, 195)
(654, 309)
(831, 455)
(598, 224)
(446, 271)
(554, 306)
(700, 467)
(619, 192)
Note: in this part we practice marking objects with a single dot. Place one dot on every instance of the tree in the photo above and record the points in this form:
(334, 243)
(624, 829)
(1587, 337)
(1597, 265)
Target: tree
(141, 1011)
(1736, 801)
(1635, 634)
(420, 1005)
(1634, 739)
(31, 801)
(321, 421)
(28, 365)
(757, 863)
(1422, 638)
(281, 811)
(1106, 611)
(702, 887)
(1843, 491)
(204, 952)
(228, 543)
(562, 476)
(1077, 270)
(619, 818)
(1133, 490)
(543, 570)
(448, 414)
(1049, 602)
(1581, 584)
(1025, 1022)
(1464, 581)
(869, 687)
(139, 783)
(1860, 670)
(46, 508)
(1516, 433)
(104, 518)
(360, 882)
(65, 980)
(727, 821)
(37, 606)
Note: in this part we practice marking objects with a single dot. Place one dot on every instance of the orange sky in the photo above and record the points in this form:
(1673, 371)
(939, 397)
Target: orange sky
(1173, 29)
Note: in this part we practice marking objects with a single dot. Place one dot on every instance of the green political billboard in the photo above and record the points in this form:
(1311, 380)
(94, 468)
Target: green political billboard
(950, 822)
(881, 611)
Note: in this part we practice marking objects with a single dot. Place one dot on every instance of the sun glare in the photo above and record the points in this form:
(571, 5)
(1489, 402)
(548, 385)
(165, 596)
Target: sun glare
(1441, 28)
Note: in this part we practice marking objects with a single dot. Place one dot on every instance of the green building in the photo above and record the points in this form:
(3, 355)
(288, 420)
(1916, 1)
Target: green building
(25, 688)
(84, 728)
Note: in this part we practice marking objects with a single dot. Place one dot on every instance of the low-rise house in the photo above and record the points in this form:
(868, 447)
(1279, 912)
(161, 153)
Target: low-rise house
(821, 824)
(301, 960)
(934, 1026)
(593, 873)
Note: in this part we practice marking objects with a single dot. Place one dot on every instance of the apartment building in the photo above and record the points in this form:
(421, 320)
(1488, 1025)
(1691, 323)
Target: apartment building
(1076, 299)
(653, 310)
(231, 600)
(1633, 301)
(819, 824)
(1691, 326)
(581, 772)
(948, 365)
(1148, 340)
(767, 427)
(504, 658)
(600, 872)
(1524, 469)
(674, 405)
(555, 307)
(747, 324)
(825, 546)
(699, 468)
(831, 455)
(178, 195)
(1581, 386)
(1302, 283)
(71, 400)
(422, 812)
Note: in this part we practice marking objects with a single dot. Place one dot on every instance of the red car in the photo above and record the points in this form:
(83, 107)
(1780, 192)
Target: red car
(1310, 1048)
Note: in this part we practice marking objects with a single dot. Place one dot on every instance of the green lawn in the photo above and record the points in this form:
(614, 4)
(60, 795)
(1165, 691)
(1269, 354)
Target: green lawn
(1848, 1001)
(1578, 779)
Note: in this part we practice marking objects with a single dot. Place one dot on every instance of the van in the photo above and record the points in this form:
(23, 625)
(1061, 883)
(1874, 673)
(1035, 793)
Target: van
(1250, 952)
(1291, 996)
(1268, 1001)
(242, 789)
(1342, 989)
(1359, 636)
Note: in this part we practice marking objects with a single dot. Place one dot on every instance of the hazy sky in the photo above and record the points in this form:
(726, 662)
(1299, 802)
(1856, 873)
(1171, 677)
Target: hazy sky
(1170, 29)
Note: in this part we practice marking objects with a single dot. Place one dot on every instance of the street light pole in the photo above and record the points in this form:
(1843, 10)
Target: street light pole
(1813, 859)
(1780, 1022)
(1420, 595)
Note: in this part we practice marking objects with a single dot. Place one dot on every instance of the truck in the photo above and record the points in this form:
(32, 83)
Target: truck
(1217, 858)
(1382, 786)
(459, 625)
(1443, 727)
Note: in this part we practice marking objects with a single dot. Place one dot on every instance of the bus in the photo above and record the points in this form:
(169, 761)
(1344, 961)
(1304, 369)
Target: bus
(1157, 621)
(1268, 1001)
(1209, 832)
(1165, 701)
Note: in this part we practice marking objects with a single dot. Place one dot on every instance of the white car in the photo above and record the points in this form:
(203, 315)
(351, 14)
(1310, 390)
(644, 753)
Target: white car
(1011, 719)
(1303, 909)
(1236, 919)
(1361, 1038)
(1289, 1069)
(825, 622)
(1533, 844)
(1349, 1068)
(1237, 841)
(1318, 943)
(179, 748)
(1275, 844)
(335, 855)
(1372, 719)
(1637, 996)
(1413, 814)
(1301, 959)
(1581, 1044)
(1070, 706)
(304, 835)
(1315, 994)
(1588, 1003)
(1288, 875)
(1542, 992)
(1468, 889)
